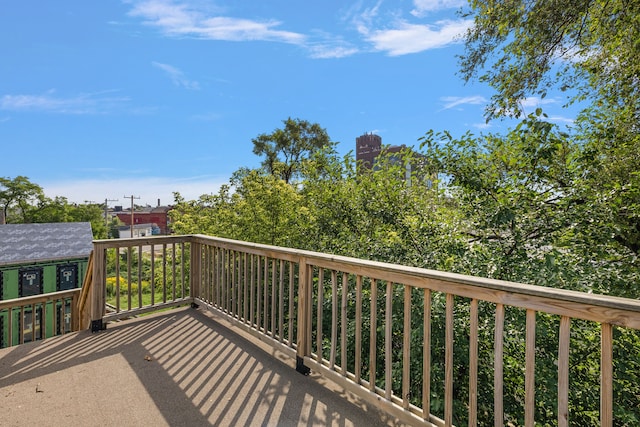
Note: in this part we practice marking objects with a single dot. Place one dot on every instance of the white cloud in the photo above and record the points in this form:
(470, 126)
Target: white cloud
(181, 20)
(535, 102)
(177, 76)
(455, 101)
(409, 38)
(91, 103)
(561, 119)
(482, 125)
(422, 6)
(148, 189)
(326, 51)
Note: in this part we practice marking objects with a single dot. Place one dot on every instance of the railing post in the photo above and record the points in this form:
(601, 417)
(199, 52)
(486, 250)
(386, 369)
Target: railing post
(75, 319)
(304, 317)
(98, 288)
(195, 276)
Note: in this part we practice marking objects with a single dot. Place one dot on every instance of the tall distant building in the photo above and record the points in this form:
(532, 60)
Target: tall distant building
(368, 147)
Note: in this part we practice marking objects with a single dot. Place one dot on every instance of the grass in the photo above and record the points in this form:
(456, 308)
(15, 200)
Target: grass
(124, 300)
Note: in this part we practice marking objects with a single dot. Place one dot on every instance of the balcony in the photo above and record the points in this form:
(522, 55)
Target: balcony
(192, 330)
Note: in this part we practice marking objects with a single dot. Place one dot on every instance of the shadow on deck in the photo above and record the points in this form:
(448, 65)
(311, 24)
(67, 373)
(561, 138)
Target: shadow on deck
(180, 367)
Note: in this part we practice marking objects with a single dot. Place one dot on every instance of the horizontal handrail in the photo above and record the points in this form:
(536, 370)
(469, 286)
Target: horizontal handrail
(38, 299)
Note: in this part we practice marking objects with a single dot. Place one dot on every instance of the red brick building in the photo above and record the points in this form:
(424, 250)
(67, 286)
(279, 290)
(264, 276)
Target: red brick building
(369, 146)
(158, 215)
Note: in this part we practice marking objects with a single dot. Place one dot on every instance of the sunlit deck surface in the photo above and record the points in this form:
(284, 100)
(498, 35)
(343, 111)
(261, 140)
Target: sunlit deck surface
(181, 368)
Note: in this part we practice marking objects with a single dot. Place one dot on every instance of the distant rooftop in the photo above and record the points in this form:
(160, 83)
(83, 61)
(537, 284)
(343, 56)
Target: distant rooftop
(27, 243)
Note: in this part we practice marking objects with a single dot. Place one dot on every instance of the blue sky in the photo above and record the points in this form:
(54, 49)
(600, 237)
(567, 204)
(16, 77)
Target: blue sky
(106, 99)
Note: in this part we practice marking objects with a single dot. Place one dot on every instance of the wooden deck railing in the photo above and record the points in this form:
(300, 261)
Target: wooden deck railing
(49, 314)
(391, 334)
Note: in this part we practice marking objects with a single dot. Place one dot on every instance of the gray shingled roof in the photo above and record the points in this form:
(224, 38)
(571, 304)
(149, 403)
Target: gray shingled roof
(26, 243)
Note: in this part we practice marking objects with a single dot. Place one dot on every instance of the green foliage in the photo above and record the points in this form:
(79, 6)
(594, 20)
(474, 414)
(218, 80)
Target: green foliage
(523, 48)
(16, 196)
(532, 212)
(129, 272)
(286, 150)
(262, 208)
(22, 201)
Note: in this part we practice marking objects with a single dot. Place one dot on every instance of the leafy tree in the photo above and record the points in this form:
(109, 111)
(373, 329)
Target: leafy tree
(256, 207)
(22, 201)
(15, 197)
(285, 150)
(59, 209)
(526, 47)
(611, 176)
(591, 48)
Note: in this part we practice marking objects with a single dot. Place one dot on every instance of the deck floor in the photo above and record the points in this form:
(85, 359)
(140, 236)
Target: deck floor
(177, 368)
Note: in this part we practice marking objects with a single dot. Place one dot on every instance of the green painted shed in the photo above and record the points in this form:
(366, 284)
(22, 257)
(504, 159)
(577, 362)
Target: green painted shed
(37, 259)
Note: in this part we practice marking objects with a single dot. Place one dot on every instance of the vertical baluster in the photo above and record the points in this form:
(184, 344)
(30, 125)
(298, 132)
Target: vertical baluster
(129, 278)
(530, 368)
(606, 375)
(305, 287)
(234, 297)
(218, 277)
(10, 327)
(245, 286)
(259, 292)
(195, 270)
(252, 308)
(228, 301)
(139, 276)
(43, 321)
(237, 284)
(334, 318)
(206, 274)
(291, 299)
(343, 324)
(173, 271)
(388, 325)
(358, 320)
(373, 335)
(498, 363)
(274, 273)
(265, 319)
(448, 356)
(56, 318)
(117, 279)
(182, 270)
(320, 314)
(21, 328)
(164, 272)
(473, 363)
(33, 322)
(222, 273)
(563, 371)
(406, 348)
(281, 303)
(152, 280)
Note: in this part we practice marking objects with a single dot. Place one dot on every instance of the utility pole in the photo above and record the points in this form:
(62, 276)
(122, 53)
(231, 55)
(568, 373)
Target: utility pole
(132, 197)
(106, 212)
